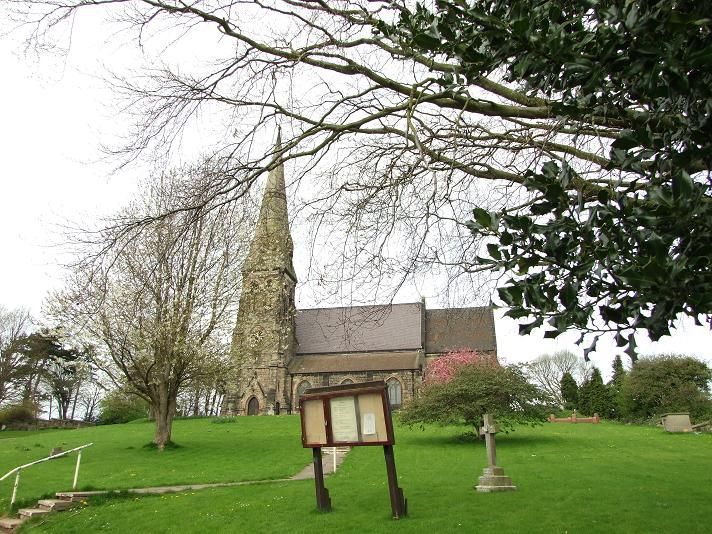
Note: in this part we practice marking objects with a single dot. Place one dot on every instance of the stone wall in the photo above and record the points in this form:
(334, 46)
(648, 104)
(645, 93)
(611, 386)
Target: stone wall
(41, 424)
(410, 381)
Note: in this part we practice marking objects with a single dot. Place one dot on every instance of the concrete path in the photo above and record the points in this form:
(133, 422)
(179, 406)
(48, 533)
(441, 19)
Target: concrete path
(307, 473)
(331, 460)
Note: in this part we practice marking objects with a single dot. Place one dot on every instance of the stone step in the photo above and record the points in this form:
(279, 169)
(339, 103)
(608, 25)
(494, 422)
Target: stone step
(8, 524)
(32, 512)
(56, 505)
(77, 495)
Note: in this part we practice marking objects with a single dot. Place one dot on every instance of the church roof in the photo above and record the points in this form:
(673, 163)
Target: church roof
(394, 327)
(455, 328)
(360, 329)
(346, 363)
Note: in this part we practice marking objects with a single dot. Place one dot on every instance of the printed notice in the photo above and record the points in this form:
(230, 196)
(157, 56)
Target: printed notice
(369, 424)
(344, 425)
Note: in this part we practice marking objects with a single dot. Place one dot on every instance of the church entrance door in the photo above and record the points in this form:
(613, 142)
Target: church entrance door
(253, 406)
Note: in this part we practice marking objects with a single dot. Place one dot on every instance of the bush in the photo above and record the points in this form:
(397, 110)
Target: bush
(17, 413)
(666, 383)
(476, 389)
(121, 407)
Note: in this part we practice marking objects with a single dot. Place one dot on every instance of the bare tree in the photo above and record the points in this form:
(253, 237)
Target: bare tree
(388, 161)
(158, 293)
(89, 402)
(205, 393)
(546, 372)
(14, 325)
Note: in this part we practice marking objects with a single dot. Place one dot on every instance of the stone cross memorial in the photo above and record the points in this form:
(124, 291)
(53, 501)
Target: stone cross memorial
(493, 477)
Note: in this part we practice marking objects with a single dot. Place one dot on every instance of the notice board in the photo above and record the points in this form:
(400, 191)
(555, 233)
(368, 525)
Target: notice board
(346, 415)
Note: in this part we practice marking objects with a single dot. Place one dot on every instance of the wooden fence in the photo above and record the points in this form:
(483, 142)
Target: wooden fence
(573, 418)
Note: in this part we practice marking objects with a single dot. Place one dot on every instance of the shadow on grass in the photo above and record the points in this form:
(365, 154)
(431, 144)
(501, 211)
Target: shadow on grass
(514, 440)
(469, 438)
(170, 446)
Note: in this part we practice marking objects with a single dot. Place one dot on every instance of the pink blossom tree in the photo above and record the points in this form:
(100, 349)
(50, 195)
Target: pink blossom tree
(444, 368)
(462, 385)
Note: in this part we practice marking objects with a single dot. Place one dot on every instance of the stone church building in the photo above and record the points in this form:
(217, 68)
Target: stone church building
(280, 351)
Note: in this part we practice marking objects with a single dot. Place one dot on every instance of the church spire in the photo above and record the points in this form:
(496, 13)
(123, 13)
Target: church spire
(272, 247)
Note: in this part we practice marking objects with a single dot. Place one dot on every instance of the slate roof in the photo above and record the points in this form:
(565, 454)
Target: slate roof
(455, 328)
(364, 361)
(387, 337)
(360, 329)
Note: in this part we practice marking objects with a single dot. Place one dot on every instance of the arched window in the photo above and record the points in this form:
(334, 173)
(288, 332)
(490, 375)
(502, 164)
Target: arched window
(346, 381)
(302, 387)
(253, 406)
(395, 397)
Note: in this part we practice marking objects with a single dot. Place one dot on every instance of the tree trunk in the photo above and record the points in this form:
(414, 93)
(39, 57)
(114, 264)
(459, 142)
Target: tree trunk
(218, 404)
(76, 397)
(212, 402)
(65, 409)
(164, 412)
(196, 403)
(206, 402)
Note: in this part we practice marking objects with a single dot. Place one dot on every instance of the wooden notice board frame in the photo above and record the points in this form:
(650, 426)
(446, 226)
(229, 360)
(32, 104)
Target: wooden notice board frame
(348, 415)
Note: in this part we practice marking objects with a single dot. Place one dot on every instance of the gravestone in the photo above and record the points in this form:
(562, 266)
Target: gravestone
(493, 477)
(677, 422)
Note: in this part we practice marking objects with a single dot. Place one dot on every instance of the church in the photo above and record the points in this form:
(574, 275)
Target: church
(279, 351)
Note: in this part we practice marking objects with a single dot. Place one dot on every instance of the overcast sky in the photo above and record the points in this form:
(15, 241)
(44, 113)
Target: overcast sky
(55, 113)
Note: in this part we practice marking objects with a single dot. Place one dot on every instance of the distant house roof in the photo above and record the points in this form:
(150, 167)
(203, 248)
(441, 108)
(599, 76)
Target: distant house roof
(455, 328)
(364, 361)
(360, 329)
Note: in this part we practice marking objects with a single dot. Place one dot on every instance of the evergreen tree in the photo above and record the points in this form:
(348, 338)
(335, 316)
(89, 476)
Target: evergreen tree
(594, 397)
(618, 372)
(569, 391)
(615, 385)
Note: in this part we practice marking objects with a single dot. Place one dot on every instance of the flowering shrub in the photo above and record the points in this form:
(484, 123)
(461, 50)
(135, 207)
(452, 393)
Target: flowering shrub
(444, 368)
(463, 385)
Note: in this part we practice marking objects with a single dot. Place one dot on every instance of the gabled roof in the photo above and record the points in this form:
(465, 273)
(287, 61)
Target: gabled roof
(360, 329)
(455, 328)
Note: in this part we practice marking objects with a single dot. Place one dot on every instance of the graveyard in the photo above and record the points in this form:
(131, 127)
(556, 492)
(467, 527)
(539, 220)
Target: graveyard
(569, 478)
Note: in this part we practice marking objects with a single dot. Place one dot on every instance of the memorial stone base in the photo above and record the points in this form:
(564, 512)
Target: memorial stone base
(494, 479)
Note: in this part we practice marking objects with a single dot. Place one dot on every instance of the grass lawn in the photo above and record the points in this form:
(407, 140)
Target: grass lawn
(246, 449)
(571, 478)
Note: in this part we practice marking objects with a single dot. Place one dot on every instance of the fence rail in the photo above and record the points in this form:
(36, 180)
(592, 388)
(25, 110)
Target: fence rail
(17, 470)
(575, 419)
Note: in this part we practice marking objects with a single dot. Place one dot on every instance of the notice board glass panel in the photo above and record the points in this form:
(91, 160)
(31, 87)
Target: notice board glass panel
(314, 423)
(344, 419)
(373, 420)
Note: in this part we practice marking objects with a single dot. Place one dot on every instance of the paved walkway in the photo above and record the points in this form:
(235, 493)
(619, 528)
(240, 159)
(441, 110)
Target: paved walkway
(330, 466)
(331, 459)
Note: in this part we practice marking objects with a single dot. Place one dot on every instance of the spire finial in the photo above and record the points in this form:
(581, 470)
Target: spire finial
(272, 246)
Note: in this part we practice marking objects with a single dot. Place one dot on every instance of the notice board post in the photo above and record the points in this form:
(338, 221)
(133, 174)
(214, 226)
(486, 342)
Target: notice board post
(350, 415)
(323, 502)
